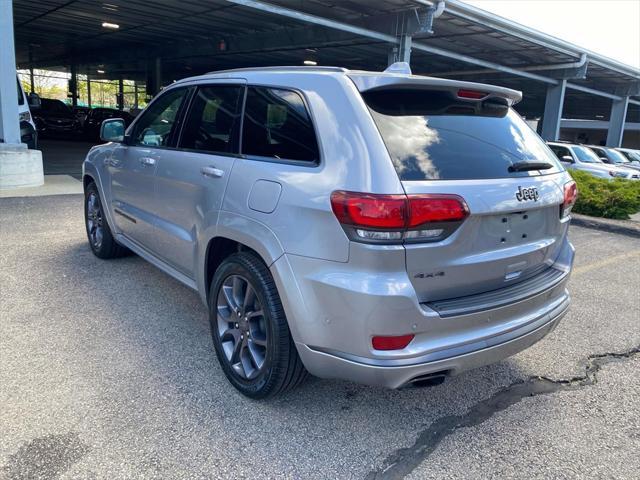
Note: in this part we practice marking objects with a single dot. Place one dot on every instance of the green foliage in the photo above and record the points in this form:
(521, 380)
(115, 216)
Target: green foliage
(599, 197)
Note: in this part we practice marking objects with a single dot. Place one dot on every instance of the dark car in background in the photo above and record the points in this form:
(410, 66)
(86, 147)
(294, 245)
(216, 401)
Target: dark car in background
(96, 116)
(55, 119)
(81, 114)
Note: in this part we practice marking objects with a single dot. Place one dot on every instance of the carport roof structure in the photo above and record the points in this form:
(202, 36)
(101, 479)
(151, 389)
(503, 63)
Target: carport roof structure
(195, 36)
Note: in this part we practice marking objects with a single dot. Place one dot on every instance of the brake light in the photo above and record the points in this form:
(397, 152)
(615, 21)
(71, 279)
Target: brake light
(388, 218)
(391, 343)
(570, 197)
(365, 210)
(472, 94)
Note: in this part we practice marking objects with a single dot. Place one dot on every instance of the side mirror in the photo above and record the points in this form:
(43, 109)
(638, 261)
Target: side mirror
(567, 159)
(34, 101)
(112, 130)
(604, 159)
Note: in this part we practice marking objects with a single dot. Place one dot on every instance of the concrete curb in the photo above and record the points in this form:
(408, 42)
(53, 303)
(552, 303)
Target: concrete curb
(623, 227)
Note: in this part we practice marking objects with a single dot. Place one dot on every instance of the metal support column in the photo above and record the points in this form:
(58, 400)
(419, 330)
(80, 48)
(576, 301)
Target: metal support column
(88, 89)
(73, 85)
(553, 111)
(404, 53)
(32, 83)
(120, 94)
(9, 124)
(616, 122)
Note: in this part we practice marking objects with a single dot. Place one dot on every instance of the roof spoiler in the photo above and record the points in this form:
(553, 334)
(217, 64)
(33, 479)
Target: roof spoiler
(392, 78)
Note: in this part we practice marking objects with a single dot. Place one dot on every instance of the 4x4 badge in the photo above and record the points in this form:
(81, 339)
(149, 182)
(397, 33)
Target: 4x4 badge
(530, 193)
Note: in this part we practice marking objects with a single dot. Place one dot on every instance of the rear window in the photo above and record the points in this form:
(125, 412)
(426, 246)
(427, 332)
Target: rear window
(432, 136)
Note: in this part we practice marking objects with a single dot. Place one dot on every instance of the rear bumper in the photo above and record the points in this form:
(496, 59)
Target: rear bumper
(449, 362)
(335, 308)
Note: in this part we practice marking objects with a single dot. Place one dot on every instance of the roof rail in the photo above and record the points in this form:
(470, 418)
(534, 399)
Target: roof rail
(281, 69)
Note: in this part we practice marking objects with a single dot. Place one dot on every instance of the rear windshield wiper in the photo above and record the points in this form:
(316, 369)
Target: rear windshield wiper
(526, 166)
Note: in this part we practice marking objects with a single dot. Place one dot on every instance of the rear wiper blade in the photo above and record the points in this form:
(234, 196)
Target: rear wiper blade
(526, 166)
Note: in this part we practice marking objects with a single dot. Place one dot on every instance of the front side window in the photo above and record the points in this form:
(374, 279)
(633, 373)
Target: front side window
(431, 135)
(560, 151)
(156, 124)
(277, 125)
(210, 123)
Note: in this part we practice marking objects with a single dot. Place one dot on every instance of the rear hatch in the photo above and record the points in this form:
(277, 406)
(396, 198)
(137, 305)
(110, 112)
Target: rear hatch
(453, 140)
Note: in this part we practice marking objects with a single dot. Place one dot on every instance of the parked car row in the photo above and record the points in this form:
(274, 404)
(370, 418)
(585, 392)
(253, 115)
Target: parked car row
(54, 118)
(599, 161)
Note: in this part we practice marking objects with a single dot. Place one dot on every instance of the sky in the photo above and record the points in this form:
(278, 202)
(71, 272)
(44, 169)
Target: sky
(608, 27)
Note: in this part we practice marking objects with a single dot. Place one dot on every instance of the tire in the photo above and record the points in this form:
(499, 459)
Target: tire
(101, 240)
(255, 348)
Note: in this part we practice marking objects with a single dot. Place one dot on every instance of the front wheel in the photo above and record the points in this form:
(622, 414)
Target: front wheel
(249, 329)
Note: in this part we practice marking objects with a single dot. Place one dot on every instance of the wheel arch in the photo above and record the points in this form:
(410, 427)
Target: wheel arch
(229, 240)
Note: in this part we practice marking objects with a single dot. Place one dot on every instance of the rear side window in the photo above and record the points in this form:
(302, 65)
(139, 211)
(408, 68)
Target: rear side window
(211, 119)
(430, 135)
(277, 125)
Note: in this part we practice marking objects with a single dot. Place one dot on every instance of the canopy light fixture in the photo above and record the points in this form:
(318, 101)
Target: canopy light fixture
(310, 62)
(112, 26)
(100, 71)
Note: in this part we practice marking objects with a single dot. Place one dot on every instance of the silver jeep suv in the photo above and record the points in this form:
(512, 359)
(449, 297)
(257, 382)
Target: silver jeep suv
(383, 228)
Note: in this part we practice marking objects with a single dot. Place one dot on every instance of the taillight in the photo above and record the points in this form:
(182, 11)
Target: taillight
(391, 343)
(472, 94)
(391, 218)
(570, 197)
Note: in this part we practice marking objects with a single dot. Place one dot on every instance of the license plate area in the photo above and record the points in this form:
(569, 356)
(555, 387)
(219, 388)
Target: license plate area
(518, 228)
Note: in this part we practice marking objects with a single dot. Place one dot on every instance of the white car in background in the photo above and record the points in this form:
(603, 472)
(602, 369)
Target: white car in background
(28, 133)
(579, 157)
(614, 157)
(632, 155)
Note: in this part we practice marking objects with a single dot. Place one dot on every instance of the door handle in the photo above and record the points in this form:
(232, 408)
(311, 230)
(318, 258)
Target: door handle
(212, 172)
(147, 161)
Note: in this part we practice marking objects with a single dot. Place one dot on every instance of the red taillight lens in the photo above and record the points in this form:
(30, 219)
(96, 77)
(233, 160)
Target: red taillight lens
(391, 343)
(570, 197)
(472, 94)
(391, 218)
(367, 210)
(436, 208)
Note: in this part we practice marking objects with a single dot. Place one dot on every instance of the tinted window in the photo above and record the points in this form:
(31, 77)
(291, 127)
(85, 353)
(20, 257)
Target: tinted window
(432, 136)
(214, 112)
(156, 123)
(55, 107)
(560, 151)
(277, 125)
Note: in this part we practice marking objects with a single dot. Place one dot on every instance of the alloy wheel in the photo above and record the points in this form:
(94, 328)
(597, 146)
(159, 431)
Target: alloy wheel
(94, 220)
(242, 327)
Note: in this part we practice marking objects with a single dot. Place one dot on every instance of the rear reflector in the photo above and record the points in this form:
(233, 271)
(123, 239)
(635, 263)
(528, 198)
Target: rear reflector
(472, 94)
(570, 197)
(391, 343)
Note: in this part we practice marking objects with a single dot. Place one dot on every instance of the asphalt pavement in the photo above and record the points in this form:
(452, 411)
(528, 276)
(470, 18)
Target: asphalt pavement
(107, 372)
